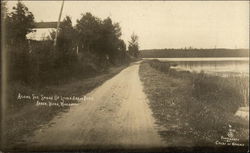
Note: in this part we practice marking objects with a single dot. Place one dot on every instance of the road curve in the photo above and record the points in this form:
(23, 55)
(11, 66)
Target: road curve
(118, 116)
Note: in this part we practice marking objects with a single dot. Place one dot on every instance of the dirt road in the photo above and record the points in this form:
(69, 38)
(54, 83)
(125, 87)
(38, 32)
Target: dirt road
(117, 116)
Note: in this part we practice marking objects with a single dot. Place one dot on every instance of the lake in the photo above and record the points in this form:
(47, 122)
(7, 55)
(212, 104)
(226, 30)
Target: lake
(214, 66)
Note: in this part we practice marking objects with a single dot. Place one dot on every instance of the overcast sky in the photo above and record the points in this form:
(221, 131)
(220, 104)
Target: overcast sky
(162, 24)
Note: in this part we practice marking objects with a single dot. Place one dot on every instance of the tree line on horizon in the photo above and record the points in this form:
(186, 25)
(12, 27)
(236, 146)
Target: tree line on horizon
(89, 47)
(193, 52)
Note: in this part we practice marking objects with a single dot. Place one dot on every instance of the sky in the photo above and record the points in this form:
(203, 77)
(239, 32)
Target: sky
(161, 24)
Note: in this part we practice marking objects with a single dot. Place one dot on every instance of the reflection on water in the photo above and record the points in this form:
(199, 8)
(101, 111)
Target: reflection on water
(215, 66)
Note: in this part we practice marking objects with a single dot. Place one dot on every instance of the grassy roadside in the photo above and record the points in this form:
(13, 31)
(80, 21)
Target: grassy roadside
(193, 109)
(22, 118)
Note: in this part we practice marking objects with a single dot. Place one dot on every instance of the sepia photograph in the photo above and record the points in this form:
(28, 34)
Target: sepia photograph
(124, 76)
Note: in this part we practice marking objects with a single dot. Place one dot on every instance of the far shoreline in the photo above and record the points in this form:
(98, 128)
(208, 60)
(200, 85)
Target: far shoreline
(200, 58)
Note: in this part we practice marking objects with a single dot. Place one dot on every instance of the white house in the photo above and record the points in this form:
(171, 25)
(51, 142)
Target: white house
(42, 30)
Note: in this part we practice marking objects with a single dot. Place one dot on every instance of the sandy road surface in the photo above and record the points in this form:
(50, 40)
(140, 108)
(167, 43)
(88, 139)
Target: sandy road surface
(118, 116)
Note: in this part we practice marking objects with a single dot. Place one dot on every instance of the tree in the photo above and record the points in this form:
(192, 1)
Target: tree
(65, 43)
(88, 30)
(19, 23)
(122, 46)
(110, 42)
(99, 37)
(66, 36)
(122, 55)
(133, 47)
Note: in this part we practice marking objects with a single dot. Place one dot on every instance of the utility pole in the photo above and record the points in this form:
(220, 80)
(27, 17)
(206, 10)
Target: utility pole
(58, 24)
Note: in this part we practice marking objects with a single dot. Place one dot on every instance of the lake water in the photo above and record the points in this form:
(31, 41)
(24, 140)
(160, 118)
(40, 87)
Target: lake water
(214, 66)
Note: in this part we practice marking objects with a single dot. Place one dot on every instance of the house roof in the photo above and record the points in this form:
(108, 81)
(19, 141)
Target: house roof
(45, 24)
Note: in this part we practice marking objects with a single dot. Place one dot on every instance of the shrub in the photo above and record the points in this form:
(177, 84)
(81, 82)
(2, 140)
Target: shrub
(160, 66)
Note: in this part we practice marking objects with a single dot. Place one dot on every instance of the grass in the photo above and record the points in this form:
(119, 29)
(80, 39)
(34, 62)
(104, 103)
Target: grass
(22, 118)
(195, 109)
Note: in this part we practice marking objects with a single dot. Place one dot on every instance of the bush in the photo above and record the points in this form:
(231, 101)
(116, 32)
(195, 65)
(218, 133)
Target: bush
(160, 66)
